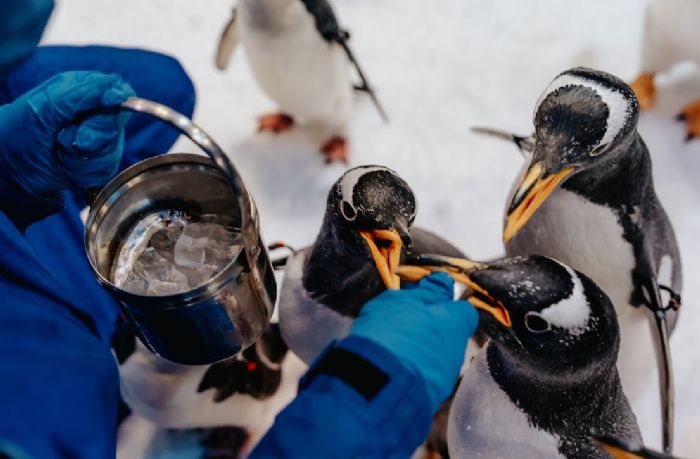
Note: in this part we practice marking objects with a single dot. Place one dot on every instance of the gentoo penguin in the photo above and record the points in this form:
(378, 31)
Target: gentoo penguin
(622, 450)
(547, 376)
(587, 198)
(238, 396)
(669, 37)
(299, 56)
(365, 232)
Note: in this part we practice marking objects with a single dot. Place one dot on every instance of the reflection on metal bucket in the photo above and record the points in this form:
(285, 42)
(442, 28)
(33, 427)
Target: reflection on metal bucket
(229, 310)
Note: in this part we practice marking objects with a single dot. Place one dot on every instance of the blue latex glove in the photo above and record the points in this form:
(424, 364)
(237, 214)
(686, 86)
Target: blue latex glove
(423, 327)
(22, 23)
(43, 152)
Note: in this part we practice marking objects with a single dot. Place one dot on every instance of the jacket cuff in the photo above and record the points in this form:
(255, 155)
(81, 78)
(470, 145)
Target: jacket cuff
(24, 208)
(390, 393)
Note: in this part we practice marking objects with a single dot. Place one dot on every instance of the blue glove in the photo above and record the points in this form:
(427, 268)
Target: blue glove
(43, 152)
(22, 23)
(424, 328)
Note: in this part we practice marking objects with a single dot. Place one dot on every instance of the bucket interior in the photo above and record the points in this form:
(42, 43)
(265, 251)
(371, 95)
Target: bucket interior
(188, 185)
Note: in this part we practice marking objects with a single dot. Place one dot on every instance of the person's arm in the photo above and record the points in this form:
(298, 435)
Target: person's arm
(43, 151)
(374, 393)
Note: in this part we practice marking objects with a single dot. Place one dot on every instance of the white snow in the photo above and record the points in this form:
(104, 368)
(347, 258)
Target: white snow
(439, 67)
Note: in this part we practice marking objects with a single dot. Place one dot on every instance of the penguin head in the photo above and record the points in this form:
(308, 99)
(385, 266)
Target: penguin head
(546, 314)
(365, 230)
(584, 119)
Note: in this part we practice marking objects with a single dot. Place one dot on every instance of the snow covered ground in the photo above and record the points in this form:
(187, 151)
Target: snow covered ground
(440, 66)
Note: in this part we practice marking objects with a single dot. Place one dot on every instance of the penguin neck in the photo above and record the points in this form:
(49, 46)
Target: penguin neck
(266, 14)
(338, 271)
(622, 181)
(548, 398)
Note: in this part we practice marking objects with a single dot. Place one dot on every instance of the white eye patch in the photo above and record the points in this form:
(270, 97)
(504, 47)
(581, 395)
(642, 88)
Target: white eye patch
(571, 313)
(347, 188)
(618, 105)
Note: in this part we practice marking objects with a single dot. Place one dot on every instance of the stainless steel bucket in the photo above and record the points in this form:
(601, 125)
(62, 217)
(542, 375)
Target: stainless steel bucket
(229, 312)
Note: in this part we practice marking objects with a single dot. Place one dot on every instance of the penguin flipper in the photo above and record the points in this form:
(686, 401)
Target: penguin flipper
(227, 42)
(526, 144)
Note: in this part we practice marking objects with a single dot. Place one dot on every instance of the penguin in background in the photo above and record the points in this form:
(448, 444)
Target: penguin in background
(203, 409)
(586, 197)
(300, 58)
(547, 376)
(669, 37)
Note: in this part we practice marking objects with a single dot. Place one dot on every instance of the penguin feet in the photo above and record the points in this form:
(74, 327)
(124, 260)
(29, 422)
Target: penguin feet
(645, 90)
(691, 115)
(275, 122)
(335, 149)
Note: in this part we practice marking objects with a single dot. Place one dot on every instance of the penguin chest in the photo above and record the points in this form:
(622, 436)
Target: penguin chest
(484, 423)
(306, 325)
(589, 238)
(304, 74)
(583, 235)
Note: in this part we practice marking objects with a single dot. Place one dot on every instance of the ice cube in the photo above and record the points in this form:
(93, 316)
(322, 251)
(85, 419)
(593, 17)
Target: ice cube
(190, 252)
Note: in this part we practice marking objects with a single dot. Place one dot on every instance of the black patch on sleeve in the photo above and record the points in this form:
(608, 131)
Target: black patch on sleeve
(358, 373)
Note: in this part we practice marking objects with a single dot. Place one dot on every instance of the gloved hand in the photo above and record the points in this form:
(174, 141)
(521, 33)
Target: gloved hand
(21, 26)
(423, 327)
(41, 149)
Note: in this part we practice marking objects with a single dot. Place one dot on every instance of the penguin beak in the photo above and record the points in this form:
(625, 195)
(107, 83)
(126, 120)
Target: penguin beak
(385, 247)
(620, 450)
(460, 270)
(533, 190)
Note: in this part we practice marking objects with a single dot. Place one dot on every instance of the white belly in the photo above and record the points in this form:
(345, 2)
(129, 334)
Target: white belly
(485, 424)
(306, 326)
(305, 75)
(671, 34)
(588, 238)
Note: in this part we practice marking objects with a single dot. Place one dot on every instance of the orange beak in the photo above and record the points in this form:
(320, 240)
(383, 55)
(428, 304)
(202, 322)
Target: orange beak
(531, 193)
(385, 246)
(459, 270)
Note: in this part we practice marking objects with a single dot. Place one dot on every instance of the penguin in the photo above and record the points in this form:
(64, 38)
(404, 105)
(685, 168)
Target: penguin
(668, 38)
(299, 56)
(203, 407)
(366, 232)
(586, 198)
(547, 375)
(622, 450)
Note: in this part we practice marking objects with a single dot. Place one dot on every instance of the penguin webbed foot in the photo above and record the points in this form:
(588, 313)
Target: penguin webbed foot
(644, 89)
(691, 116)
(335, 149)
(275, 122)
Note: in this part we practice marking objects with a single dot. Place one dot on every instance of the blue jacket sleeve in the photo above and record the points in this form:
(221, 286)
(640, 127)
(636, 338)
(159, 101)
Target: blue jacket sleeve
(23, 208)
(371, 406)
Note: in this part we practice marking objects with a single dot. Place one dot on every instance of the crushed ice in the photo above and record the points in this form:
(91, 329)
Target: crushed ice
(167, 253)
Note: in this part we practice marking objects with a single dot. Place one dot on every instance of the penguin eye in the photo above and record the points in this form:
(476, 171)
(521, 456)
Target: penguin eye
(535, 323)
(348, 211)
(599, 149)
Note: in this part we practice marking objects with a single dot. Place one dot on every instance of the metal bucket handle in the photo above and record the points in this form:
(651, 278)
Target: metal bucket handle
(204, 141)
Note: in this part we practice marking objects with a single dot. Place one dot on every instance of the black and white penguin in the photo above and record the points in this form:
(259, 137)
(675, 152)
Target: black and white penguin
(299, 56)
(366, 230)
(622, 450)
(178, 407)
(586, 198)
(547, 376)
(668, 38)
